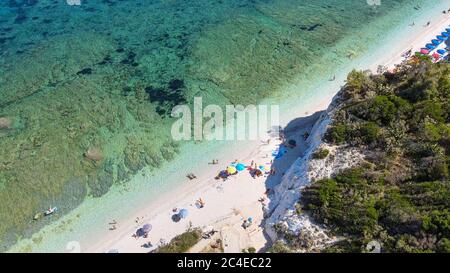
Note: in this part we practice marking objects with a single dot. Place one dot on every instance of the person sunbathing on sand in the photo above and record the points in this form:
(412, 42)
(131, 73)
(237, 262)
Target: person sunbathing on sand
(201, 203)
(214, 162)
(272, 171)
(191, 176)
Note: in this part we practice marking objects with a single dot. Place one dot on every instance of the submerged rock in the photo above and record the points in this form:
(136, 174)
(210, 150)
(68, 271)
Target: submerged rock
(93, 154)
(5, 123)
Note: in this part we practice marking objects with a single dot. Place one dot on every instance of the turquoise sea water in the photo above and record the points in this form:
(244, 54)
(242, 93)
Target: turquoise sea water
(103, 76)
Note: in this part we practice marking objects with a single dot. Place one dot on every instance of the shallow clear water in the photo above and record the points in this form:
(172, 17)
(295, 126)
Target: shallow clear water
(104, 75)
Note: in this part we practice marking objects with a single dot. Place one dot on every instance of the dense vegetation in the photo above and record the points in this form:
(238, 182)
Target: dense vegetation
(182, 242)
(400, 196)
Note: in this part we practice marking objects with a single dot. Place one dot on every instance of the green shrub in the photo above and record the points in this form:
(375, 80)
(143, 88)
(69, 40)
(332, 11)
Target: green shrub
(369, 132)
(437, 222)
(249, 250)
(337, 134)
(321, 154)
(182, 242)
(402, 199)
(279, 247)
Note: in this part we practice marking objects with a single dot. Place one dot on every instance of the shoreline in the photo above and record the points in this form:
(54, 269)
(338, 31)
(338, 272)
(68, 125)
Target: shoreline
(122, 240)
(159, 207)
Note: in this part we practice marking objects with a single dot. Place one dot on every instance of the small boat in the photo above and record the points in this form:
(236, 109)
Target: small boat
(50, 211)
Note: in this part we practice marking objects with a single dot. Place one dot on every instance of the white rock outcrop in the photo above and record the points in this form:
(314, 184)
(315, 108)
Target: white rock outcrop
(281, 210)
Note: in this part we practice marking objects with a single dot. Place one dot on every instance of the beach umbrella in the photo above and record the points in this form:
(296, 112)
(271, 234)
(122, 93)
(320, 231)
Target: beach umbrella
(240, 167)
(430, 46)
(231, 170)
(147, 227)
(281, 152)
(436, 56)
(435, 42)
(441, 51)
(140, 232)
(176, 218)
(440, 38)
(448, 30)
(424, 51)
(183, 213)
(445, 34)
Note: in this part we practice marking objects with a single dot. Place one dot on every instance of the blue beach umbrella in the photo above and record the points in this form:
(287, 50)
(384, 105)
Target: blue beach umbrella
(441, 51)
(140, 232)
(436, 42)
(445, 34)
(240, 167)
(183, 213)
(430, 46)
(441, 38)
(448, 30)
(147, 227)
(281, 152)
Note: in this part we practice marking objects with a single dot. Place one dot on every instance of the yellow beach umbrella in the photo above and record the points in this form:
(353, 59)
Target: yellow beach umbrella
(231, 170)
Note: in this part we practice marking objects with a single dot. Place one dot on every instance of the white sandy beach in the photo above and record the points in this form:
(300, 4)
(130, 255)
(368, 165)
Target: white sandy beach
(229, 202)
(424, 34)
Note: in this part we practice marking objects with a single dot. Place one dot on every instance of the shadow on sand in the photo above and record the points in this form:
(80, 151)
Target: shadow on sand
(297, 130)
